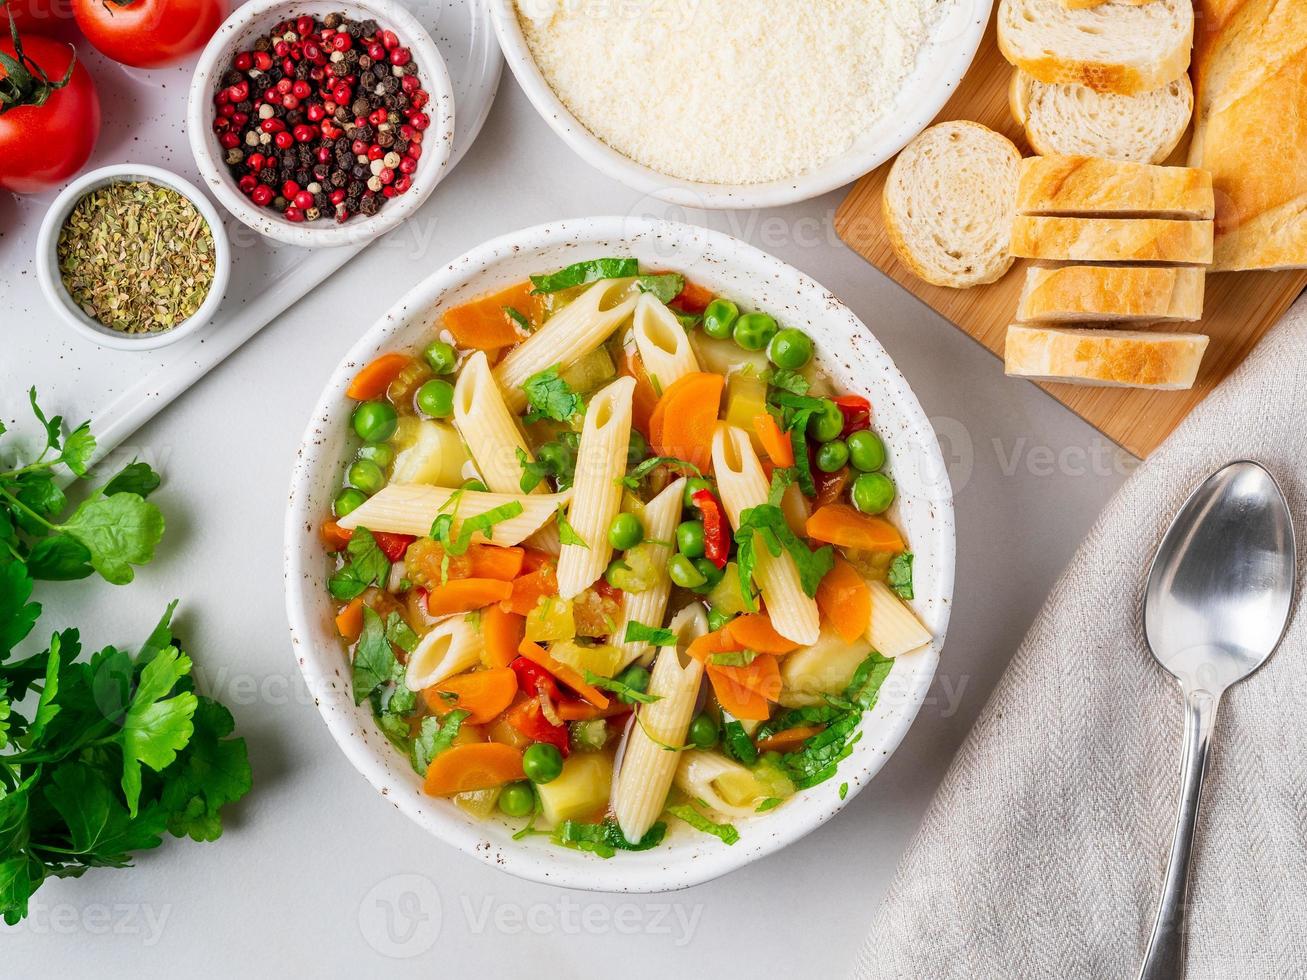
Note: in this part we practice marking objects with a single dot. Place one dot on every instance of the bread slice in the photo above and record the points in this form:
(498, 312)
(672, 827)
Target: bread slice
(948, 204)
(1086, 186)
(1109, 358)
(1082, 4)
(1062, 118)
(1112, 47)
(1112, 294)
(1112, 240)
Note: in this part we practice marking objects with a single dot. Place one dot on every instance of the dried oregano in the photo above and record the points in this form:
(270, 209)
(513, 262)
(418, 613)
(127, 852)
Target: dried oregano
(136, 256)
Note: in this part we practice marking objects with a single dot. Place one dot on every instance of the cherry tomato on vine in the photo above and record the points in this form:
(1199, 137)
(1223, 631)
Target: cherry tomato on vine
(49, 114)
(35, 16)
(149, 33)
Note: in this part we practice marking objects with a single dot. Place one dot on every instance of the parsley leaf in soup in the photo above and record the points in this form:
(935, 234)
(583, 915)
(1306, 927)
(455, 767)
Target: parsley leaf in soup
(666, 286)
(737, 743)
(400, 633)
(567, 534)
(653, 635)
(605, 838)
(434, 739)
(136, 477)
(767, 522)
(723, 831)
(550, 397)
(518, 318)
(484, 524)
(787, 380)
(633, 478)
(118, 531)
(366, 565)
(374, 659)
(625, 691)
(900, 575)
(580, 273)
(533, 471)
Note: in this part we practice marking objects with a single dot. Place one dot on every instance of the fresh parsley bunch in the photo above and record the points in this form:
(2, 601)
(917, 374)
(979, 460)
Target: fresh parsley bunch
(99, 756)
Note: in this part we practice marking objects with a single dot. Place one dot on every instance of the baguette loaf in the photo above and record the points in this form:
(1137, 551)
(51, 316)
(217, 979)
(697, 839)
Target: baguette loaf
(1112, 240)
(1062, 118)
(1110, 358)
(1111, 294)
(1087, 186)
(948, 204)
(1250, 131)
(1117, 46)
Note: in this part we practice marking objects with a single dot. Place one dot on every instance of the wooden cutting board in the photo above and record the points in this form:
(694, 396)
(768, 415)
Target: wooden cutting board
(1240, 306)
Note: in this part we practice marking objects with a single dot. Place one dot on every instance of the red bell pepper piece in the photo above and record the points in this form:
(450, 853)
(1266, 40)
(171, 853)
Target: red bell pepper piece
(532, 679)
(607, 591)
(393, 545)
(857, 414)
(692, 298)
(716, 539)
(529, 719)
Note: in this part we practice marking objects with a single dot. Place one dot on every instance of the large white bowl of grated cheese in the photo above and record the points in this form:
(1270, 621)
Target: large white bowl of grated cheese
(738, 103)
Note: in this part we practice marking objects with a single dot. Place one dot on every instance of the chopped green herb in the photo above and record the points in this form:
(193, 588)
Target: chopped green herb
(366, 565)
(790, 381)
(605, 838)
(665, 287)
(737, 743)
(533, 471)
(550, 397)
(766, 521)
(654, 635)
(900, 575)
(567, 534)
(770, 803)
(844, 790)
(581, 273)
(518, 318)
(724, 831)
(633, 478)
(625, 691)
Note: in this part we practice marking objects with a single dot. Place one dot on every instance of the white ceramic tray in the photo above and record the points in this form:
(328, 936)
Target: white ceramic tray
(144, 116)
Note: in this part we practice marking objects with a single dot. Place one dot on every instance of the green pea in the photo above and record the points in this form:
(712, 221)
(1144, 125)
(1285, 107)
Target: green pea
(826, 424)
(436, 399)
(366, 476)
(381, 453)
(693, 485)
(636, 678)
(625, 532)
(542, 762)
(348, 500)
(476, 486)
(517, 799)
(710, 572)
(703, 731)
(754, 331)
(872, 493)
(637, 450)
(554, 455)
(375, 421)
(866, 450)
(683, 573)
(689, 539)
(832, 455)
(790, 349)
(719, 317)
(440, 356)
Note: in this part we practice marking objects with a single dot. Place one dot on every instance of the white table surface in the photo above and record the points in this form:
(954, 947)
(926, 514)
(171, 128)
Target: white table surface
(316, 874)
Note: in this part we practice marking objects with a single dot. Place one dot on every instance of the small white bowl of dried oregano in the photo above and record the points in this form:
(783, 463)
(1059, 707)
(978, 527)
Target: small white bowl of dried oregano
(133, 257)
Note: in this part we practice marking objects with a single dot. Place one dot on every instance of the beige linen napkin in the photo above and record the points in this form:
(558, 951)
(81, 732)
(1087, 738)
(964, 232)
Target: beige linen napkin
(1042, 852)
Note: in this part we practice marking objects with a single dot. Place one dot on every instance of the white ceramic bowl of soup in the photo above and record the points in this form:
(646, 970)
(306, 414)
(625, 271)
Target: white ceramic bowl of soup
(846, 350)
(941, 63)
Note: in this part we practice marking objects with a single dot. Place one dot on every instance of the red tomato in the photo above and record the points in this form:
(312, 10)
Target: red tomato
(35, 16)
(149, 33)
(41, 146)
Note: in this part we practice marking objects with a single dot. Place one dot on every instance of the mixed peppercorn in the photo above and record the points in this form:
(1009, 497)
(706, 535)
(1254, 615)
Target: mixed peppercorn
(322, 118)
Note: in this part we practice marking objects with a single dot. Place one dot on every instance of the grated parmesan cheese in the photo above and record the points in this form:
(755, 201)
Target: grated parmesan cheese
(728, 91)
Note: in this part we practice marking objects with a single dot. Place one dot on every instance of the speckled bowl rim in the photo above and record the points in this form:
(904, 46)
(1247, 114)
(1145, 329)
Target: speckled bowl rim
(437, 144)
(846, 348)
(941, 64)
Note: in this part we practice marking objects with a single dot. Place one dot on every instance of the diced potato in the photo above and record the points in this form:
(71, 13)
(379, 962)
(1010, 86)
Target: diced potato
(746, 397)
(579, 791)
(725, 356)
(551, 620)
(601, 658)
(591, 371)
(432, 452)
(826, 667)
(478, 803)
(726, 596)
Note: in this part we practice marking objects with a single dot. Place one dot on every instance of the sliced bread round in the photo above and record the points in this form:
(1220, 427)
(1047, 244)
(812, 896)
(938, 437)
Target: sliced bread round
(1114, 47)
(949, 201)
(1071, 120)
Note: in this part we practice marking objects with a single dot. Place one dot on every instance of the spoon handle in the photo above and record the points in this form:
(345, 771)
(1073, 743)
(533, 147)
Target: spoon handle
(1165, 957)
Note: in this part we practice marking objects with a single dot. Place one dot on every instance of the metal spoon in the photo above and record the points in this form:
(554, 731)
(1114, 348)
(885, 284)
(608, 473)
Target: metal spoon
(1215, 607)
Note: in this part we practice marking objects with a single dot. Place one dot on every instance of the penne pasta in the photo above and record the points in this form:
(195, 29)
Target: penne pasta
(649, 760)
(662, 342)
(894, 629)
(411, 508)
(661, 515)
(722, 783)
(453, 646)
(742, 484)
(596, 488)
(573, 331)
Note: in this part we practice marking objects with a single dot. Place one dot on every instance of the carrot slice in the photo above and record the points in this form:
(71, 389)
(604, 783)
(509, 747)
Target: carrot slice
(790, 739)
(481, 765)
(844, 601)
(689, 409)
(538, 655)
(349, 621)
(466, 594)
(484, 324)
(501, 634)
(645, 398)
(482, 693)
(774, 441)
(841, 525)
(701, 648)
(693, 298)
(334, 536)
(491, 561)
(755, 632)
(746, 691)
(533, 558)
(374, 378)
(527, 590)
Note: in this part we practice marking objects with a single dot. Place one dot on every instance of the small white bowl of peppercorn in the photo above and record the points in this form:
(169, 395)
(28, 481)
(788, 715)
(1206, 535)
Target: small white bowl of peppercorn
(321, 123)
(133, 257)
